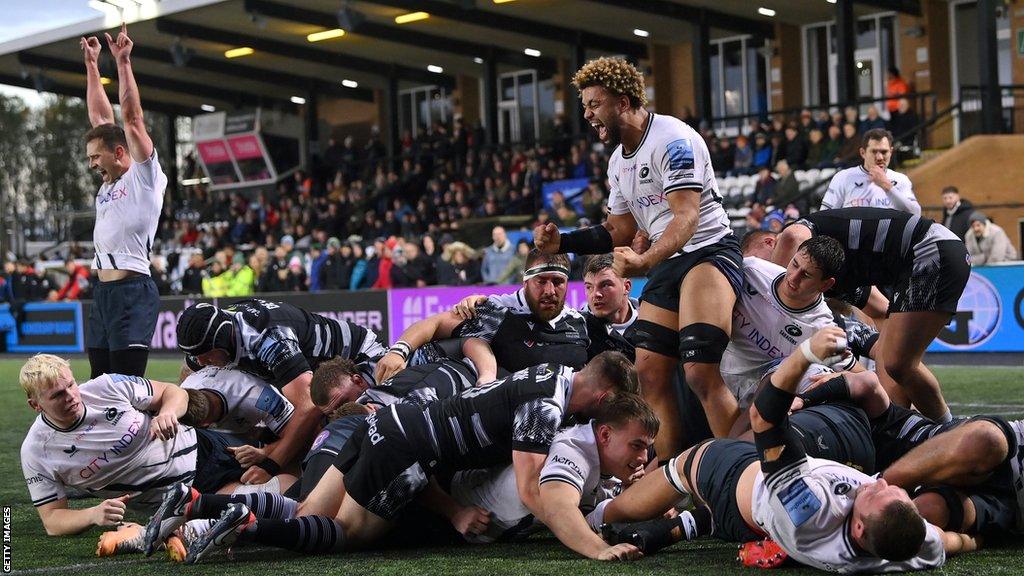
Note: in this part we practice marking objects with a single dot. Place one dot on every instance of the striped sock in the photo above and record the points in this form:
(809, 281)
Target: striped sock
(308, 534)
(262, 505)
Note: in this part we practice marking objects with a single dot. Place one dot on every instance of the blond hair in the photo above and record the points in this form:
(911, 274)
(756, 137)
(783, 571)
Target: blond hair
(40, 372)
(615, 75)
(454, 247)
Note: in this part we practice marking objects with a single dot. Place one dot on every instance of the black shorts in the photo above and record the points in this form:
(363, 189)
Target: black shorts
(936, 281)
(215, 466)
(123, 314)
(718, 475)
(664, 280)
(838, 432)
(382, 469)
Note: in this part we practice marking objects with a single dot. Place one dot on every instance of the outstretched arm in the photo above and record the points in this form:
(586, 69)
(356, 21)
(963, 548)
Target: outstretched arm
(100, 111)
(140, 145)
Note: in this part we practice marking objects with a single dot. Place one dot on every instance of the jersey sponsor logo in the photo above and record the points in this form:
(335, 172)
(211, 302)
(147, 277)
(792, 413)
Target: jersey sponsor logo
(119, 446)
(841, 488)
(645, 171)
(759, 340)
(270, 402)
(34, 479)
(799, 502)
(568, 463)
(113, 415)
(680, 155)
(116, 193)
(375, 436)
(71, 451)
(647, 200)
(858, 184)
(320, 439)
(794, 330)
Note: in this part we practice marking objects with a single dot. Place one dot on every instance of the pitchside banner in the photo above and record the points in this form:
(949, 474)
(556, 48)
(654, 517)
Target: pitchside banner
(368, 308)
(990, 315)
(410, 305)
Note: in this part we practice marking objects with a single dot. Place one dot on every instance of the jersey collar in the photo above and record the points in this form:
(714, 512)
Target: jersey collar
(775, 294)
(650, 122)
(48, 422)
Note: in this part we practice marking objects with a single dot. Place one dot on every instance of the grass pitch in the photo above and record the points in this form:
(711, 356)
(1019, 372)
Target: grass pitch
(970, 390)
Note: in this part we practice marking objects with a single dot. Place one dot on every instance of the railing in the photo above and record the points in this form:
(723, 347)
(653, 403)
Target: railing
(971, 99)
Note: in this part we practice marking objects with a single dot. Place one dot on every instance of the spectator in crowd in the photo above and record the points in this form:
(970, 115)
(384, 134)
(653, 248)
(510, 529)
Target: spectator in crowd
(242, 281)
(328, 268)
(513, 272)
(459, 266)
(902, 120)
(850, 116)
(724, 156)
(743, 159)
(192, 278)
(830, 146)
(217, 284)
(275, 275)
(871, 120)
(764, 190)
(158, 272)
(895, 87)
(295, 278)
(815, 149)
(849, 152)
(496, 256)
(956, 211)
(593, 202)
(77, 286)
(762, 151)
(987, 242)
(412, 268)
(796, 148)
(317, 257)
(386, 262)
(359, 268)
(41, 286)
(788, 188)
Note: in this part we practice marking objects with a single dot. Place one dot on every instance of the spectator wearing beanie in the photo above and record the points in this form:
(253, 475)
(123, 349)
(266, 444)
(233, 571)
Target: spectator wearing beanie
(987, 243)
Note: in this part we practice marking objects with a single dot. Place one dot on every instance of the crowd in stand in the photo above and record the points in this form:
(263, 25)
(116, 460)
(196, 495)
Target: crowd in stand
(364, 221)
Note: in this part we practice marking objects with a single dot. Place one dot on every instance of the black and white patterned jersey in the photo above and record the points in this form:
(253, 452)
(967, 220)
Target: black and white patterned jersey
(605, 335)
(277, 342)
(108, 452)
(860, 337)
(879, 243)
(519, 340)
(422, 384)
(483, 425)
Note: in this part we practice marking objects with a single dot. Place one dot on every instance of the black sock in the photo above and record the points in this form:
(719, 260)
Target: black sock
(309, 534)
(99, 362)
(131, 362)
(261, 504)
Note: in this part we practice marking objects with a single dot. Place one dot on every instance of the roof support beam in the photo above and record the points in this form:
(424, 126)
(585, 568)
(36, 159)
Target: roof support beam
(693, 15)
(79, 92)
(297, 52)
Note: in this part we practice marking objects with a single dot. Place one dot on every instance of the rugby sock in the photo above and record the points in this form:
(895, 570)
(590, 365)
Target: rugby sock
(946, 418)
(262, 505)
(309, 534)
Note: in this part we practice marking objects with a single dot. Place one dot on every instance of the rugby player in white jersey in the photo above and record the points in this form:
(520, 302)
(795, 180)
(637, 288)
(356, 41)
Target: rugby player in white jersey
(122, 318)
(662, 184)
(235, 402)
(872, 184)
(821, 513)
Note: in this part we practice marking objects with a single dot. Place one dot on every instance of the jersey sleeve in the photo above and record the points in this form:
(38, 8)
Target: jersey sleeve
(617, 204)
(834, 195)
(43, 486)
(275, 408)
(489, 316)
(566, 463)
(148, 176)
(902, 195)
(535, 424)
(860, 337)
(683, 164)
(137, 390)
(278, 349)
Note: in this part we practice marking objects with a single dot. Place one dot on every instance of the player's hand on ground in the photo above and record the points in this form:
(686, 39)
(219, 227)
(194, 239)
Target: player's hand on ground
(110, 512)
(546, 238)
(163, 426)
(255, 475)
(466, 308)
(91, 49)
(388, 366)
(247, 455)
(627, 263)
(641, 242)
(471, 520)
(121, 47)
(620, 552)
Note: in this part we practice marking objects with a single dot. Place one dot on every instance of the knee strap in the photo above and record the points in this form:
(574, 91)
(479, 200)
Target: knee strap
(704, 343)
(654, 337)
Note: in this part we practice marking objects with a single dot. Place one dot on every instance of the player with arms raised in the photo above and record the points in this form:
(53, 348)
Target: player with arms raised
(662, 183)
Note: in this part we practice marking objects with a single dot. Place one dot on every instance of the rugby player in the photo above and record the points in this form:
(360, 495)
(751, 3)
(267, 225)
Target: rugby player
(663, 184)
(523, 329)
(123, 316)
(392, 455)
(281, 344)
(927, 267)
(116, 437)
(872, 184)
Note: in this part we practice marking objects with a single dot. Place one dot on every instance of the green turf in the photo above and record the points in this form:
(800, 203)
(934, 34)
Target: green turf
(35, 553)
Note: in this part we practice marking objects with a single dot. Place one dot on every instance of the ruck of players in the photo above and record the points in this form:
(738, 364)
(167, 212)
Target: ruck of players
(768, 390)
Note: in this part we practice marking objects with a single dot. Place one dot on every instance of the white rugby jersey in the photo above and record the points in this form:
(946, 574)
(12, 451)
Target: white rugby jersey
(573, 459)
(671, 156)
(853, 187)
(764, 329)
(127, 215)
(108, 451)
(248, 401)
(807, 509)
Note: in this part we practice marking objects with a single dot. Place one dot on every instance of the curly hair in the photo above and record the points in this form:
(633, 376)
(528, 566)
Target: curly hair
(615, 75)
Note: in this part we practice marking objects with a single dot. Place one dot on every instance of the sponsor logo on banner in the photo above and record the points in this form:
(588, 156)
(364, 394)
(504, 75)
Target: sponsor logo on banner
(977, 318)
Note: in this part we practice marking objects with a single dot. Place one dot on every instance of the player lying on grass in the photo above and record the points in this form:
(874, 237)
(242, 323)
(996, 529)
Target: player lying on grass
(393, 454)
(821, 513)
(115, 437)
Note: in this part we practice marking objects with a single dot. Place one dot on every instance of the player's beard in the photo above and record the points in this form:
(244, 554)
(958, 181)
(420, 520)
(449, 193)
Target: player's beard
(614, 137)
(545, 314)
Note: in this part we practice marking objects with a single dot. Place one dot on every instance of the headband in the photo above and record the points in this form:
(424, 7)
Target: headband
(546, 268)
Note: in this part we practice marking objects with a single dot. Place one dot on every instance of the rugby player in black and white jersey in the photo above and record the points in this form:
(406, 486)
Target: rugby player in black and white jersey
(116, 437)
(522, 329)
(123, 316)
(822, 513)
(281, 344)
(927, 267)
(872, 184)
(663, 184)
(393, 455)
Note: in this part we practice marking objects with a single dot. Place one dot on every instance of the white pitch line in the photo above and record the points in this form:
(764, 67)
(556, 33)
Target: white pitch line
(984, 405)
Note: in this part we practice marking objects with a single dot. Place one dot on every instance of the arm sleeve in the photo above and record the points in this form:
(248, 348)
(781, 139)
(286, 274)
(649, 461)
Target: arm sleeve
(149, 176)
(566, 463)
(278, 350)
(137, 390)
(485, 324)
(902, 195)
(683, 165)
(833, 197)
(616, 201)
(535, 424)
(43, 486)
